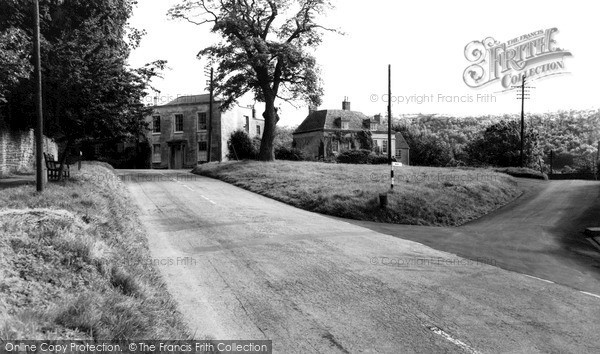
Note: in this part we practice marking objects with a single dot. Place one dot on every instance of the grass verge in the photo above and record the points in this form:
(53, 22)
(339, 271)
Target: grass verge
(422, 195)
(522, 172)
(75, 265)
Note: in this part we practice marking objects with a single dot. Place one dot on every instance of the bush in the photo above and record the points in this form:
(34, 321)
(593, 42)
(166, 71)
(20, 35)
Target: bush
(241, 146)
(290, 154)
(354, 156)
(379, 159)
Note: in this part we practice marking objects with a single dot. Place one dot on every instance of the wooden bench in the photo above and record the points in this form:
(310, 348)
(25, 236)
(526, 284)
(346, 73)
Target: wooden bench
(53, 167)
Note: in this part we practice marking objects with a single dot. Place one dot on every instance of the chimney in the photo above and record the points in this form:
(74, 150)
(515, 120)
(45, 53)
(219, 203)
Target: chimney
(311, 109)
(346, 104)
(377, 118)
(156, 100)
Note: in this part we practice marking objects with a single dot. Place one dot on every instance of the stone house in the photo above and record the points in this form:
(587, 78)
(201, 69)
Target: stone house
(178, 132)
(326, 133)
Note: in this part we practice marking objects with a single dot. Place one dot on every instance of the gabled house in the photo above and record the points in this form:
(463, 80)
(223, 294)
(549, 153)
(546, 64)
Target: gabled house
(326, 133)
(179, 131)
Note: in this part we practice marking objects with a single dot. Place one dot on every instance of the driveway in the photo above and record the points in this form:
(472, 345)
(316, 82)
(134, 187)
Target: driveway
(242, 266)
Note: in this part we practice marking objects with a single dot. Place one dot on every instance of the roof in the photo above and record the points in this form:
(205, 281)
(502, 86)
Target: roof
(401, 142)
(192, 99)
(326, 119)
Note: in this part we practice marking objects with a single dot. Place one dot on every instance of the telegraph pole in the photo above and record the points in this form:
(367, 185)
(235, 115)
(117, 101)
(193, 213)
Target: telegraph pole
(522, 120)
(39, 131)
(523, 95)
(390, 126)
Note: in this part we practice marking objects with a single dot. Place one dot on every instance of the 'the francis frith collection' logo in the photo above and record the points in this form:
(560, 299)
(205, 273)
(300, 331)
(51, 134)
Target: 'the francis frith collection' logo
(533, 55)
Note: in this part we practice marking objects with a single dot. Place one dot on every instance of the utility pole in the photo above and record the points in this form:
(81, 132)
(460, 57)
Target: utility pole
(390, 126)
(522, 96)
(39, 132)
(210, 112)
(522, 120)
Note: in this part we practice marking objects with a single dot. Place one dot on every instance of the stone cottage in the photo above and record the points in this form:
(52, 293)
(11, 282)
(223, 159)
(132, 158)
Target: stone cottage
(326, 133)
(179, 131)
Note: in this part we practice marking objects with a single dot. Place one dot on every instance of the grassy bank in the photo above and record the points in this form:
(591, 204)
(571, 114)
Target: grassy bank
(522, 172)
(75, 264)
(422, 196)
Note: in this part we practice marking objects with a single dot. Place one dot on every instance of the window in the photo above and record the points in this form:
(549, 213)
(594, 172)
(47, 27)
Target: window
(373, 126)
(335, 146)
(247, 126)
(179, 123)
(398, 154)
(345, 125)
(202, 124)
(258, 130)
(156, 124)
(384, 147)
(156, 154)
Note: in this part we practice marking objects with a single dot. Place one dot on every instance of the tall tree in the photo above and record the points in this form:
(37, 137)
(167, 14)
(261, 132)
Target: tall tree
(90, 92)
(265, 50)
(500, 143)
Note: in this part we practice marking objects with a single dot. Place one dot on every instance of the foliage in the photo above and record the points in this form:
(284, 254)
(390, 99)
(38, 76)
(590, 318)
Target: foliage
(289, 153)
(240, 146)
(284, 137)
(572, 135)
(354, 156)
(500, 145)
(266, 49)
(90, 92)
(14, 54)
(375, 159)
(365, 139)
(426, 149)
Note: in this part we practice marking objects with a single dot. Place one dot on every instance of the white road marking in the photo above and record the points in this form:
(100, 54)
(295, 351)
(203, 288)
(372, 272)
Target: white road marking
(208, 200)
(448, 337)
(590, 294)
(544, 280)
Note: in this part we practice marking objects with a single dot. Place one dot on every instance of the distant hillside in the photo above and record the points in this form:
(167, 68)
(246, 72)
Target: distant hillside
(572, 135)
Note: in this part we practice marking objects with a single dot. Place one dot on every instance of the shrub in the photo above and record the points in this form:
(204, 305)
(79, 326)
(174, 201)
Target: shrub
(290, 154)
(354, 156)
(379, 159)
(241, 146)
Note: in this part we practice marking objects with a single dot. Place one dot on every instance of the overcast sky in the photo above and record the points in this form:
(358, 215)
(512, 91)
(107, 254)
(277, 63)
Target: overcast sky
(424, 41)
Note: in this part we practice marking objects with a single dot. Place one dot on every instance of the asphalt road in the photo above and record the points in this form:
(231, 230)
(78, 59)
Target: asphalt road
(540, 234)
(242, 266)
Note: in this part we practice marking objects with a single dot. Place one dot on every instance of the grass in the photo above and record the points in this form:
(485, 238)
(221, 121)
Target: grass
(422, 196)
(522, 172)
(75, 265)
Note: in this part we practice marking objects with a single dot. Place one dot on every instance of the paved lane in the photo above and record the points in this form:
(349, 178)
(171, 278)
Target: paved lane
(540, 234)
(242, 266)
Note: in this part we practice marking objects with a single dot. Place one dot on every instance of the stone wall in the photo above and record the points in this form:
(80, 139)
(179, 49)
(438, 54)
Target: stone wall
(17, 151)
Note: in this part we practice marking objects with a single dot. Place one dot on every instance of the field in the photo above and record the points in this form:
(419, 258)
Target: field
(422, 195)
(75, 265)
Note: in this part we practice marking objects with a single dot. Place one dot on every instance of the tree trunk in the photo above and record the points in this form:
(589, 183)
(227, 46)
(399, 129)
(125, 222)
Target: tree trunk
(266, 144)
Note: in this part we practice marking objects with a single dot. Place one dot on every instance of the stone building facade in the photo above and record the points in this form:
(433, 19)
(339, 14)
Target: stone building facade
(326, 133)
(179, 131)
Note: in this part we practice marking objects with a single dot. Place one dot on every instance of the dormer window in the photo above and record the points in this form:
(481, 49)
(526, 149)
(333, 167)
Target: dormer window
(345, 125)
(373, 126)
